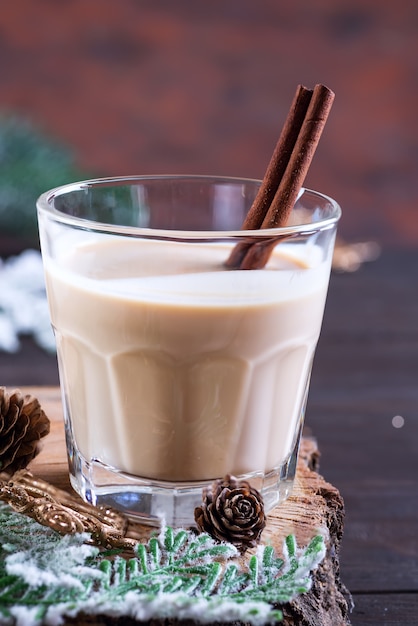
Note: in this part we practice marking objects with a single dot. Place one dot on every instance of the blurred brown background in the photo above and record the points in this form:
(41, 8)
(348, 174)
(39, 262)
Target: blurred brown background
(156, 86)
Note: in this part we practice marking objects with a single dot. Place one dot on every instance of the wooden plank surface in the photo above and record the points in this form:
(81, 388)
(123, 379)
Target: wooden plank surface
(385, 610)
(51, 462)
(365, 374)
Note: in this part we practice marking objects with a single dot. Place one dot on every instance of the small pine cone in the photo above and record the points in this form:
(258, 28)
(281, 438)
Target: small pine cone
(22, 424)
(232, 511)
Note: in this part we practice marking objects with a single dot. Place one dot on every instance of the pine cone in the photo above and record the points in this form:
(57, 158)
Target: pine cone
(22, 424)
(232, 511)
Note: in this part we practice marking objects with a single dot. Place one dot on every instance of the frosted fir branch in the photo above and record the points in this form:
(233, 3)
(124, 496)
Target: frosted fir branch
(175, 574)
(31, 162)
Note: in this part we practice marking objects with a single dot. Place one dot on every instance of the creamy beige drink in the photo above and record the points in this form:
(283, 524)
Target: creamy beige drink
(176, 370)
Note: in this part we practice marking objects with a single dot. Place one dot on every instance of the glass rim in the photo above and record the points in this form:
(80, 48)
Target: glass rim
(45, 205)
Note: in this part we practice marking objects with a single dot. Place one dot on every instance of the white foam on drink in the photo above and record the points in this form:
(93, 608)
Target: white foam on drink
(185, 277)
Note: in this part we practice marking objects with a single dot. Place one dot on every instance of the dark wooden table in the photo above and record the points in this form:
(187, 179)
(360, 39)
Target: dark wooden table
(366, 374)
(365, 383)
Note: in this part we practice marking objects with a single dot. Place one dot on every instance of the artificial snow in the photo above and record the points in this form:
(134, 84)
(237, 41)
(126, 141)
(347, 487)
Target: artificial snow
(23, 303)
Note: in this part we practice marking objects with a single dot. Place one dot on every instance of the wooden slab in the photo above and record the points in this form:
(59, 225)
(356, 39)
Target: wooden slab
(315, 507)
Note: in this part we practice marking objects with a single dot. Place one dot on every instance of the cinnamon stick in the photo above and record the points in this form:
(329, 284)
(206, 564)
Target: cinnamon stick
(285, 174)
(280, 159)
(275, 171)
(301, 158)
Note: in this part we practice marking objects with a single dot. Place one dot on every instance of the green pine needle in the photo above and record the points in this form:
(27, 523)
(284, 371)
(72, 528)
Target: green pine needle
(44, 576)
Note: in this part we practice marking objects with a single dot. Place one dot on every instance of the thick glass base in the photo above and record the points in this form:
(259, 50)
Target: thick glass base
(155, 502)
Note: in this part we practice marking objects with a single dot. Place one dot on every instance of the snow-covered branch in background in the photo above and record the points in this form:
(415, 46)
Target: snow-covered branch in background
(23, 304)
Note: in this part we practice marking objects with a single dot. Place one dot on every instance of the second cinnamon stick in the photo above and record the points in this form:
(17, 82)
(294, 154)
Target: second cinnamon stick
(294, 176)
(275, 171)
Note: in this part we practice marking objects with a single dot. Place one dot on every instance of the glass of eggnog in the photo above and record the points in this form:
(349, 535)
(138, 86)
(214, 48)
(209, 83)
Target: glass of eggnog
(177, 369)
